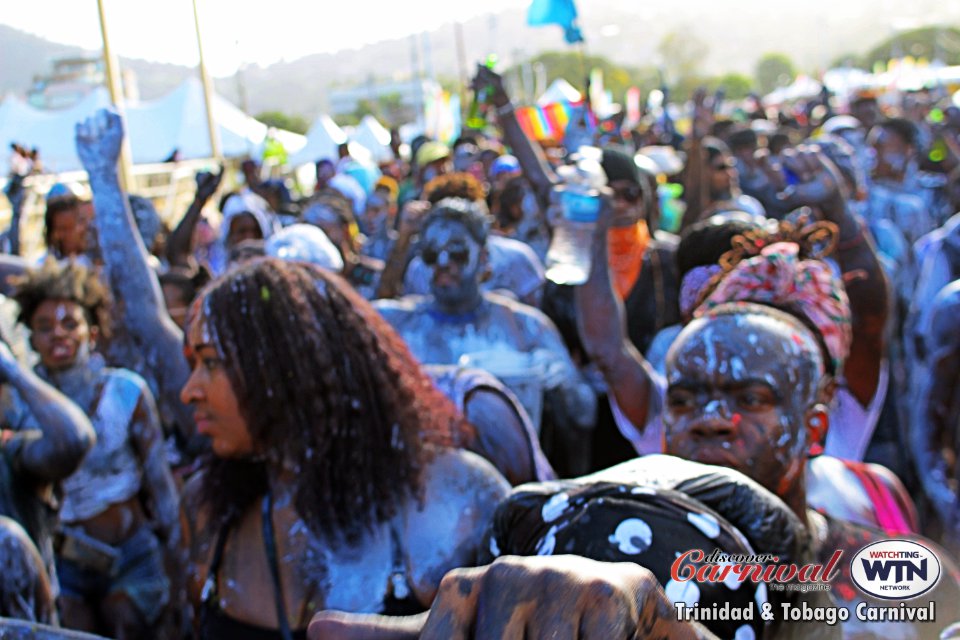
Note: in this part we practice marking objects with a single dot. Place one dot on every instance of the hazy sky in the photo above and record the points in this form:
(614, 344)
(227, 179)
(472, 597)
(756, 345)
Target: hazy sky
(237, 31)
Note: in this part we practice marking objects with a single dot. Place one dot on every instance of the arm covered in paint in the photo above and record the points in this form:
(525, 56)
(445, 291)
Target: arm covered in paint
(17, 194)
(601, 321)
(125, 260)
(65, 433)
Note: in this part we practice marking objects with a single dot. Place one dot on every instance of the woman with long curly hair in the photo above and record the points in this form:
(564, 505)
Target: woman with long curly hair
(335, 482)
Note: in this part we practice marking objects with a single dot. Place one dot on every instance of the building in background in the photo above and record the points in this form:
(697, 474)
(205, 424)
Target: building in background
(72, 79)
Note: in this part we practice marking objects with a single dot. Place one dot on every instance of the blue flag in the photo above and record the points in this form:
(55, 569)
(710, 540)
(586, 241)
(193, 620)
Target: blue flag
(560, 12)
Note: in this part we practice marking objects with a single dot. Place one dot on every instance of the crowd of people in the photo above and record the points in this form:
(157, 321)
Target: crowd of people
(365, 412)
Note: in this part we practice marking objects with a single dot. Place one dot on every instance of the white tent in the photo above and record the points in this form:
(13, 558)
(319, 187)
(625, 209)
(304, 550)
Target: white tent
(177, 121)
(372, 135)
(323, 138)
(559, 91)
(51, 132)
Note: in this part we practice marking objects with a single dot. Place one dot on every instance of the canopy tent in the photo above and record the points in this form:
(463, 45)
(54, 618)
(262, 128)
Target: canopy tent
(372, 135)
(322, 142)
(175, 122)
(323, 138)
(559, 91)
(51, 132)
(178, 121)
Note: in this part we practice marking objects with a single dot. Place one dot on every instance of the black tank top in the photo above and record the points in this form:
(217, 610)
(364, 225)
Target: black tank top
(215, 624)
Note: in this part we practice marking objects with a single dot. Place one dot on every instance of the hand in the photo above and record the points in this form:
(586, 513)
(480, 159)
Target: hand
(703, 117)
(412, 215)
(819, 182)
(563, 597)
(207, 184)
(99, 139)
(771, 168)
(488, 79)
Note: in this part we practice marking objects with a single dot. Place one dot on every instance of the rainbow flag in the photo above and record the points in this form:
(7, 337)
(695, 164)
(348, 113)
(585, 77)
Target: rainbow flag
(548, 122)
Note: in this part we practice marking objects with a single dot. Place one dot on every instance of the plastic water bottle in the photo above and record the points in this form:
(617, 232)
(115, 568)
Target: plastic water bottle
(568, 258)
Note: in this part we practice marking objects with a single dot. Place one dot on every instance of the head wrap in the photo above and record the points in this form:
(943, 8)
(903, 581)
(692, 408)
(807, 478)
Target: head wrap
(693, 285)
(248, 202)
(778, 277)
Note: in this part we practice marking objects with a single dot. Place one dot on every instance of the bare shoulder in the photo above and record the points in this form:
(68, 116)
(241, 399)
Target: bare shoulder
(462, 476)
(444, 529)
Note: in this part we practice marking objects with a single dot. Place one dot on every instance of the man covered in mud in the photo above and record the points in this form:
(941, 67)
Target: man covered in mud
(458, 318)
(121, 506)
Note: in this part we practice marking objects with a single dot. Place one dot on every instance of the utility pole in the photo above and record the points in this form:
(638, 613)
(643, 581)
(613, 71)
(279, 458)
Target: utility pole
(111, 67)
(207, 92)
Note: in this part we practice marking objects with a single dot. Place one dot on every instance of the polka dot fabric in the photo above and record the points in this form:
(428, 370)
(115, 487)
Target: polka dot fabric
(627, 523)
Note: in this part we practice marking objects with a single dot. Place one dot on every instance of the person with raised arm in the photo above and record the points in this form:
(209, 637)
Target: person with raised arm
(148, 341)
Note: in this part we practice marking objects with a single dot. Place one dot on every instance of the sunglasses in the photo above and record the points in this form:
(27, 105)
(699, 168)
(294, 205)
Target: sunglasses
(431, 255)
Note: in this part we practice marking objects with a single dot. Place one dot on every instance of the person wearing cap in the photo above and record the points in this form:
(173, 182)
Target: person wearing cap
(432, 160)
(502, 170)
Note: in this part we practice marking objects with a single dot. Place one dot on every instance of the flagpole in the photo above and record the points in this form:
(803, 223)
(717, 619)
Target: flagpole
(207, 92)
(125, 169)
(461, 62)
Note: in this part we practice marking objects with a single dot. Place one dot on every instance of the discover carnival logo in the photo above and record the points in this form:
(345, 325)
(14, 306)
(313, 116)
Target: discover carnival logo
(895, 569)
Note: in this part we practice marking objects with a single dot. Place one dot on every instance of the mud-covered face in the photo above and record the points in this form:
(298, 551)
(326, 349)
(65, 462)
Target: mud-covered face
(59, 331)
(740, 388)
(454, 259)
(891, 153)
(376, 215)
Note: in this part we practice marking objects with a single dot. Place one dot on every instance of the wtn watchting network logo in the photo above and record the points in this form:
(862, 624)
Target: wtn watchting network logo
(895, 569)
